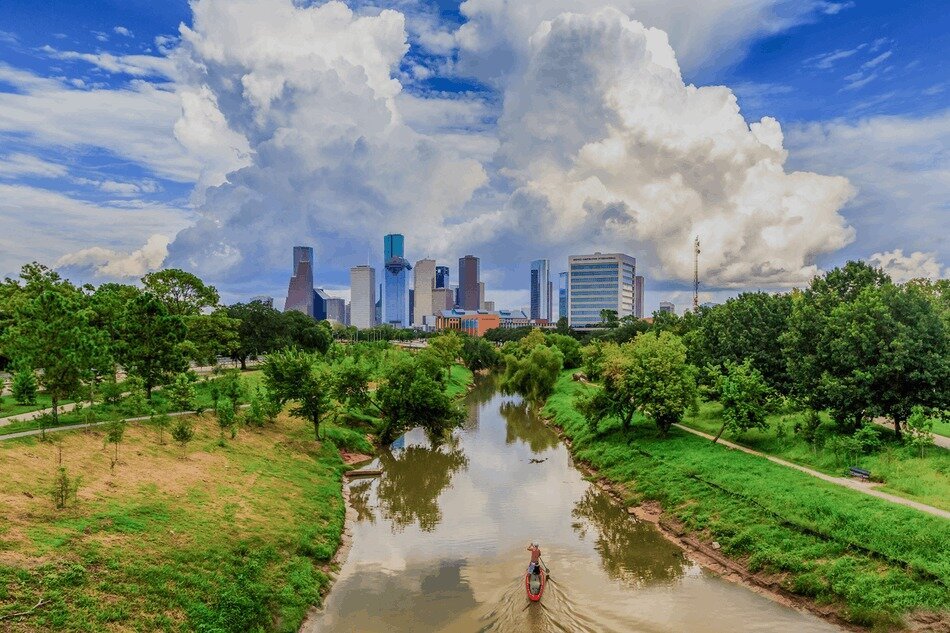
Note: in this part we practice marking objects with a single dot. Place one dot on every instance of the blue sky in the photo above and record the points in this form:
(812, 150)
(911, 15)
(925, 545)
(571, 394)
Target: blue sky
(92, 128)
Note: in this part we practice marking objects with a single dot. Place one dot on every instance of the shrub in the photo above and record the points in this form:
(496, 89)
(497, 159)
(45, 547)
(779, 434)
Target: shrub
(24, 387)
(64, 489)
(183, 433)
(181, 392)
(111, 390)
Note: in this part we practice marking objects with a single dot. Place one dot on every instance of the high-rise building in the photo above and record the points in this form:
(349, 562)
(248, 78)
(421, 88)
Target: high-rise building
(320, 301)
(442, 299)
(562, 295)
(441, 276)
(668, 307)
(363, 296)
(490, 306)
(336, 310)
(541, 290)
(424, 276)
(638, 296)
(469, 270)
(300, 289)
(346, 313)
(481, 295)
(602, 281)
(395, 283)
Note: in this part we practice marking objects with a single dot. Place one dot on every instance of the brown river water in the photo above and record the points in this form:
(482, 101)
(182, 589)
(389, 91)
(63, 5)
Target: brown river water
(439, 545)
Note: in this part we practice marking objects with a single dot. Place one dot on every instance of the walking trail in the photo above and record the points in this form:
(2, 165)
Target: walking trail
(861, 486)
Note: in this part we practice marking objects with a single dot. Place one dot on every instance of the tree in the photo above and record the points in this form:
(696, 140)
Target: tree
(919, 430)
(161, 422)
(479, 354)
(114, 432)
(64, 488)
(24, 386)
(569, 347)
(447, 348)
(210, 335)
(305, 333)
(562, 326)
(182, 293)
(533, 375)
(609, 318)
(745, 398)
(181, 392)
(51, 333)
(260, 330)
(411, 396)
(226, 414)
(351, 384)
(303, 378)
(183, 433)
(151, 342)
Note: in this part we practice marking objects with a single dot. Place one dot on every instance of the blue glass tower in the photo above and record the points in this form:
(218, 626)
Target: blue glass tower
(441, 276)
(395, 282)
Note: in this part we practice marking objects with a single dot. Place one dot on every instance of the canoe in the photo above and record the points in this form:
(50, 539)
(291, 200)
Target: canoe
(534, 584)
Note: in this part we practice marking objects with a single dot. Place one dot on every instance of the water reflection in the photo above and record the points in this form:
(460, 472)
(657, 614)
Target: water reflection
(629, 551)
(359, 501)
(413, 479)
(521, 424)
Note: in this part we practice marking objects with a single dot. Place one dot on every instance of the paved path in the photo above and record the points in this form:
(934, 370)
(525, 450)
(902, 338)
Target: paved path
(939, 440)
(32, 415)
(855, 484)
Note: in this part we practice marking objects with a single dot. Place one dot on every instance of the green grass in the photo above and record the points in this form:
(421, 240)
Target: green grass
(942, 428)
(877, 561)
(9, 406)
(902, 471)
(233, 539)
(460, 377)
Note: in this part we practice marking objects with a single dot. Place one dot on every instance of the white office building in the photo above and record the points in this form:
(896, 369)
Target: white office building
(363, 296)
(424, 284)
(602, 281)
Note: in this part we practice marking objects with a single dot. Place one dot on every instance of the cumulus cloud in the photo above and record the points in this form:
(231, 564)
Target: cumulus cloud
(609, 149)
(113, 264)
(903, 268)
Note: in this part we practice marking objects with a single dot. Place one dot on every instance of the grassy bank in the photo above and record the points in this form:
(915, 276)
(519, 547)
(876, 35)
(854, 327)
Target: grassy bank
(460, 378)
(9, 406)
(875, 561)
(900, 468)
(228, 539)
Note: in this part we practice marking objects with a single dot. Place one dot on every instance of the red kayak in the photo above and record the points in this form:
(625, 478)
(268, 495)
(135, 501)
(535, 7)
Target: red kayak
(534, 584)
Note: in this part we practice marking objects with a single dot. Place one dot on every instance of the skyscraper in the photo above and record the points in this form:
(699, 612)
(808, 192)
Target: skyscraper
(363, 296)
(638, 296)
(300, 289)
(441, 276)
(395, 282)
(599, 282)
(668, 307)
(336, 310)
(424, 277)
(481, 295)
(562, 295)
(541, 289)
(468, 283)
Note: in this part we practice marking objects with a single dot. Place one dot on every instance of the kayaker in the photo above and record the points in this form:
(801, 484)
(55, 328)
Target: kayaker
(535, 550)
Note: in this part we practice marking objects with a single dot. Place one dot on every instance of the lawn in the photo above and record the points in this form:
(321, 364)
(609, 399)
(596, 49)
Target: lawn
(9, 406)
(460, 377)
(875, 561)
(232, 538)
(902, 470)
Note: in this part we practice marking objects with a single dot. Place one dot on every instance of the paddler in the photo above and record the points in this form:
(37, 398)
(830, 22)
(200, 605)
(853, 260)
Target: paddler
(535, 550)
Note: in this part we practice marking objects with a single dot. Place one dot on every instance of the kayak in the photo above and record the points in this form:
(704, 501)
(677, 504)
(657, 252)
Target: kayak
(534, 584)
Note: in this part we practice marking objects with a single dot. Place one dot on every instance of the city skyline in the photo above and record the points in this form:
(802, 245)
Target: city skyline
(838, 130)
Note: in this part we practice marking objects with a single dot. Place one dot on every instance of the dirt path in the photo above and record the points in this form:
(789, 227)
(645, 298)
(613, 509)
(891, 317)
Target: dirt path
(861, 486)
(939, 440)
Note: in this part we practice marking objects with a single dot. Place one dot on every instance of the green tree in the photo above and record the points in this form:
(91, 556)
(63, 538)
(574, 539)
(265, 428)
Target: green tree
(745, 398)
(161, 422)
(210, 335)
(609, 318)
(151, 342)
(181, 392)
(533, 375)
(919, 430)
(115, 431)
(446, 348)
(24, 386)
(306, 334)
(182, 293)
(569, 347)
(478, 354)
(183, 433)
(302, 378)
(411, 396)
(260, 330)
(226, 415)
(350, 386)
(51, 333)
(64, 488)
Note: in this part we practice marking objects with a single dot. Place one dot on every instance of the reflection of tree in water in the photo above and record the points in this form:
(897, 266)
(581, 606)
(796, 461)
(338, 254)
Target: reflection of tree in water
(523, 425)
(412, 481)
(483, 390)
(359, 500)
(629, 551)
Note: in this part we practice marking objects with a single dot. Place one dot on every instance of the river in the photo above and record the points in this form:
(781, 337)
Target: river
(439, 545)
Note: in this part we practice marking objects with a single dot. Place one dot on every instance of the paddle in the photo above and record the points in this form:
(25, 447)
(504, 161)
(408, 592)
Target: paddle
(547, 570)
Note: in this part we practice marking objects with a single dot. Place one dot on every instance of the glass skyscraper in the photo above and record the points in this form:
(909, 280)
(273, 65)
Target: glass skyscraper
(541, 289)
(395, 282)
(441, 276)
(300, 295)
(600, 282)
(562, 295)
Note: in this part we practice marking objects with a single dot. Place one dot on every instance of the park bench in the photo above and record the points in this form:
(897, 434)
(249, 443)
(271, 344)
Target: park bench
(860, 472)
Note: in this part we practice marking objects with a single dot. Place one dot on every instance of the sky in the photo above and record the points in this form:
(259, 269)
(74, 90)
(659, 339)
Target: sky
(214, 135)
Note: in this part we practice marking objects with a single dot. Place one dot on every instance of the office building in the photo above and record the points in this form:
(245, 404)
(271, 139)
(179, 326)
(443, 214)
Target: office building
(562, 295)
(300, 290)
(472, 322)
(666, 306)
(481, 295)
(363, 296)
(490, 306)
(346, 313)
(320, 301)
(395, 283)
(541, 290)
(598, 282)
(441, 276)
(424, 278)
(509, 319)
(442, 299)
(469, 270)
(336, 310)
(638, 296)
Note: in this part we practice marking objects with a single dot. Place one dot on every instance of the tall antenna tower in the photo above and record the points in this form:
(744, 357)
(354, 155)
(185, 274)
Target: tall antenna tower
(696, 275)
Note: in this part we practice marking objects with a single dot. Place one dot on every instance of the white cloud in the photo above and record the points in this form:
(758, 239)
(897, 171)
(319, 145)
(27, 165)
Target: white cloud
(900, 168)
(121, 30)
(871, 63)
(827, 61)
(19, 164)
(134, 65)
(113, 264)
(903, 268)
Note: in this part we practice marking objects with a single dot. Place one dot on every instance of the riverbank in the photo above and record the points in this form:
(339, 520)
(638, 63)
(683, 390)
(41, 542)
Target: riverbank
(230, 538)
(847, 556)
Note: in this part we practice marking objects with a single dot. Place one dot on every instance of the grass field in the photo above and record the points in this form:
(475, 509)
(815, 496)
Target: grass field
(876, 561)
(942, 428)
(8, 405)
(460, 377)
(902, 471)
(231, 538)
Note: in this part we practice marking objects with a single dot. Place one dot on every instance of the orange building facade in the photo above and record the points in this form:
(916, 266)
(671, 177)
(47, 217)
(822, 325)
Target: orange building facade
(472, 322)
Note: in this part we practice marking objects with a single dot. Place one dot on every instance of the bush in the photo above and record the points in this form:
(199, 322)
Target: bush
(183, 433)
(111, 390)
(64, 489)
(24, 387)
(136, 403)
(226, 417)
(181, 392)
